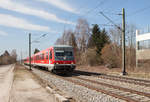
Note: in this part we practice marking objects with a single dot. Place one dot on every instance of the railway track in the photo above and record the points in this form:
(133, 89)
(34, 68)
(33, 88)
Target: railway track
(122, 93)
(118, 78)
(127, 80)
(115, 91)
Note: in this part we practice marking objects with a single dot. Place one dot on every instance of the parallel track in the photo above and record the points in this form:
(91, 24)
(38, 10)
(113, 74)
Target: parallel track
(127, 80)
(117, 78)
(117, 87)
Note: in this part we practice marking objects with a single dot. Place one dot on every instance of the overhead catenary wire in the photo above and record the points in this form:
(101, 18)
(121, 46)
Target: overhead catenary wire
(36, 40)
(139, 11)
(110, 20)
(90, 10)
(101, 3)
(105, 25)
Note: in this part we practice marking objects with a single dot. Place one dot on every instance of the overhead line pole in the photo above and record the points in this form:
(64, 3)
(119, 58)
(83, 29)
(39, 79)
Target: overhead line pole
(30, 48)
(21, 57)
(30, 51)
(123, 43)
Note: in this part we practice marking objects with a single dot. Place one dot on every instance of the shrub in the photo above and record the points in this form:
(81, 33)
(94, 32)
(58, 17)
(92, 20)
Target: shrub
(90, 57)
(111, 55)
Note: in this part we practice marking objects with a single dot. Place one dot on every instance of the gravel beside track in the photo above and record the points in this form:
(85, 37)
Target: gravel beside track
(78, 92)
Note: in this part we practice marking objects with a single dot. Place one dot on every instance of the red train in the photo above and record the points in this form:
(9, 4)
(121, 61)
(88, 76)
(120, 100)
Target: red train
(58, 59)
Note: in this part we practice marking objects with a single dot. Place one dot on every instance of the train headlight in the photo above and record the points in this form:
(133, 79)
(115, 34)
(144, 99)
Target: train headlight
(72, 63)
(57, 63)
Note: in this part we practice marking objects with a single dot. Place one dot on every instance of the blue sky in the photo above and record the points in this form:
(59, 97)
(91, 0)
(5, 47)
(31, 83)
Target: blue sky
(18, 18)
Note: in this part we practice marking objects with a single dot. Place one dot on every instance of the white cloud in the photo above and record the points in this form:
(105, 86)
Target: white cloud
(10, 5)
(60, 4)
(11, 21)
(3, 33)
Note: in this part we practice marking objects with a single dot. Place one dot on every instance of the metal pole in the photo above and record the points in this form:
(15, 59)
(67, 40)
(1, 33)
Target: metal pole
(21, 57)
(123, 43)
(137, 48)
(30, 51)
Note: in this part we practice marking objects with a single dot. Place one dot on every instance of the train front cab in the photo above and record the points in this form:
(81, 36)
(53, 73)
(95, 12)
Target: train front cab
(63, 59)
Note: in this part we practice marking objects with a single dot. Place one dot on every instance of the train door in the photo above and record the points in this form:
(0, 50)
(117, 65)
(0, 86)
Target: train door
(50, 56)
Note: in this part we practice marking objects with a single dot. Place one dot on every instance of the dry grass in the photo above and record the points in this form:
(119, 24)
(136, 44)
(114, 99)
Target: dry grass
(22, 73)
(140, 72)
(132, 72)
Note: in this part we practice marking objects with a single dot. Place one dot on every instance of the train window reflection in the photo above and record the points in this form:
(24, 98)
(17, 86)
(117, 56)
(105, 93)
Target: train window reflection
(59, 53)
(63, 53)
(68, 53)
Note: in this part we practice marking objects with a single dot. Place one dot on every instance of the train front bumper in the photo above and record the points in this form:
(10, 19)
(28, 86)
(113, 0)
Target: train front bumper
(64, 67)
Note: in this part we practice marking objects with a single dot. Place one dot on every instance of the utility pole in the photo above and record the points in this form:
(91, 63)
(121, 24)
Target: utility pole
(123, 43)
(30, 51)
(21, 57)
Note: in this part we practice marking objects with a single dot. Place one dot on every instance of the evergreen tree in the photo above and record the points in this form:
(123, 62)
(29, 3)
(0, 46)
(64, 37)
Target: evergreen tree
(6, 53)
(98, 38)
(36, 50)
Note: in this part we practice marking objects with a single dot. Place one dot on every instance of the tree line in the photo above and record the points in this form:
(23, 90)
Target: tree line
(8, 58)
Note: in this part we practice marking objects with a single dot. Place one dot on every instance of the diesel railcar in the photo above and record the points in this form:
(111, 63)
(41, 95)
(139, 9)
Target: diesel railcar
(58, 59)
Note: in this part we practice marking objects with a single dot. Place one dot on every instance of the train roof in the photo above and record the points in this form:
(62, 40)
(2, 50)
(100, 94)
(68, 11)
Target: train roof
(54, 46)
(62, 46)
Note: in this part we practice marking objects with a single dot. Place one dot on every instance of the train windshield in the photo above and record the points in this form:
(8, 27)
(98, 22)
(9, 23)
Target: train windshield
(64, 54)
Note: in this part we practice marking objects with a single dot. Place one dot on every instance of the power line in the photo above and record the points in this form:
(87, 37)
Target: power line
(110, 20)
(138, 11)
(105, 25)
(99, 4)
(36, 40)
(110, 13)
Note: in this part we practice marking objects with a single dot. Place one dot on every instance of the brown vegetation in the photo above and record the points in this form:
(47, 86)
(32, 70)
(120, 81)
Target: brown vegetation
(90, 57)
(7, 58)
(111, 55)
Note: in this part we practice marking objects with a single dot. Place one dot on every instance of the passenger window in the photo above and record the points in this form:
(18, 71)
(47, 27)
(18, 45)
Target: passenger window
(50, 54)
(43, 56)
(46, 55)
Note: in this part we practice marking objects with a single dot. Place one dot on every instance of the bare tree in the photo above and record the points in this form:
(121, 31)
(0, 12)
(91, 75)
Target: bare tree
(64, 39)
(82, 32)
(14, 55)
(116, 34)
(58, 41)
(130, 35)
(130, 40)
